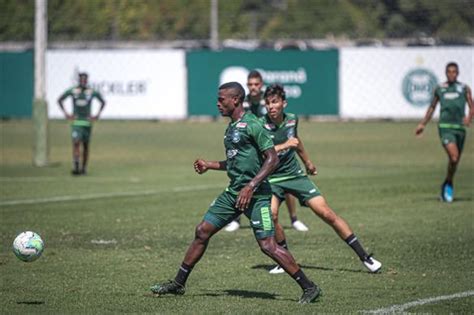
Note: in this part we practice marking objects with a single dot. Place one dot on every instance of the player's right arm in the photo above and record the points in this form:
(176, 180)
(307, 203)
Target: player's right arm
(201, 166)
(429, 113)
(304, 156)
(61, 105)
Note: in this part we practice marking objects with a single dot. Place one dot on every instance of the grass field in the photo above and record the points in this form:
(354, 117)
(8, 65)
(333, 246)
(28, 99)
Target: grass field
(113, 233)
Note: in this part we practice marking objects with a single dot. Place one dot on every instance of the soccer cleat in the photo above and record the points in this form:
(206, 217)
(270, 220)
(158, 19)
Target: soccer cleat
(372, 264)
(75, 172)
(232, 226)
(170, 287)
(276, 270)
(310, 295)
(447, 192)
(299, 226)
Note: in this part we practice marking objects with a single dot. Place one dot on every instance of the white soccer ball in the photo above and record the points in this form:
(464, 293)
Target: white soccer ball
(28, 246)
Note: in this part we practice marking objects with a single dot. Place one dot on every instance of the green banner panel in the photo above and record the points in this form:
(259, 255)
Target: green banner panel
(16, 84)
(310, 78)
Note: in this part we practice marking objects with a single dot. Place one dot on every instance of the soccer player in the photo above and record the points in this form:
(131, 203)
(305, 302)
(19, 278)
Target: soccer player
(290, 178)
(250, 158)
(453, 96)
(255, 103)
(82, 96)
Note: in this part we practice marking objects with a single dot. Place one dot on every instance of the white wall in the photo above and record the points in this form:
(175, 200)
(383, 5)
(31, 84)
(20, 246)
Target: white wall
(372, 79)
(136, 84)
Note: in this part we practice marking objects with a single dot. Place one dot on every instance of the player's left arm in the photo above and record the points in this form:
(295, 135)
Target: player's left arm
(304, 156)
(269, 165)
(101, 100)
(470, 113)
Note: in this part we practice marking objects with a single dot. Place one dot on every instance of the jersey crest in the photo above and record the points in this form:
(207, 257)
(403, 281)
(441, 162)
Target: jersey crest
(235, 136)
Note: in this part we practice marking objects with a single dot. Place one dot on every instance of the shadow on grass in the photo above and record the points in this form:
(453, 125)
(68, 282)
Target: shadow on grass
(230, 292)
(245, 294)
(457, 199)
(269, 267)
(30, 302)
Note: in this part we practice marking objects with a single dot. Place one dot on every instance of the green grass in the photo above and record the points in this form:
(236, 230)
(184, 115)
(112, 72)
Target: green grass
(378, 176)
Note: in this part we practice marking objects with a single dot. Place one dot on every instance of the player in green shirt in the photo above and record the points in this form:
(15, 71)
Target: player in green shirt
(290, 178)
(255, 103)
(82, 96)
(453, 96)
(250, 158)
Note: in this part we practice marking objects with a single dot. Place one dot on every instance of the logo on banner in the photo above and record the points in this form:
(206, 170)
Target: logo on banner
(418, 86)
(291, 79)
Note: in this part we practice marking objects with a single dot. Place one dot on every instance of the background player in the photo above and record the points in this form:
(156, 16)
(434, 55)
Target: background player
(290, 178)
(251, 157)
(255, 103)
(453, 96)
(82, 96)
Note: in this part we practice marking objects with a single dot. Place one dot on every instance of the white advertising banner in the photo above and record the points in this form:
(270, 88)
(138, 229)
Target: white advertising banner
(396, 83)
(136, 84)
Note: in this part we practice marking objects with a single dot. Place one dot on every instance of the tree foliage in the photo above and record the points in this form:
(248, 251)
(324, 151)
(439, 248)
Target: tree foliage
(244, 19)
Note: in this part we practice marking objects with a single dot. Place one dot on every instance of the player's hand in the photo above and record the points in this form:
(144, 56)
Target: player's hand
(200, 166)
(292, 143)
(93, 118)
(419, 129)
(311, 168)
(244, 198)
(69, 117)
(467, 121)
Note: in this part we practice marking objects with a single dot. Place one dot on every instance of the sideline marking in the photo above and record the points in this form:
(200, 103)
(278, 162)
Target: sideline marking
(403, 307)
(51, 179)
(106, 195)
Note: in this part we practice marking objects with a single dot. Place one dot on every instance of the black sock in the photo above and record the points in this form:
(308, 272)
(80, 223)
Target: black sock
(293, 219)
(353, 242)
(283, 244)
(237, 219)
(183, 274)
(302, 280)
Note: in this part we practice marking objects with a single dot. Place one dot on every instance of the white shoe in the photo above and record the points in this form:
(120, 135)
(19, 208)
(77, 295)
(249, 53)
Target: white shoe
(277, 270)
(232, 226)
(300, 226)
(372, 264)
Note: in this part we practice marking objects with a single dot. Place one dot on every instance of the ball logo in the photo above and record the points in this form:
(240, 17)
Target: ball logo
(418, 86)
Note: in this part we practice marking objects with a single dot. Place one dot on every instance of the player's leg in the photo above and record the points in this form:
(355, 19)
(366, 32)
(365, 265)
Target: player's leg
(261, 222)
(85, 153)
(76, 149)
(452, 143)
(85, 157)
(76, 155)
(291, 205)
(279, 232)
(220, 213)
(320, 207)
(196, 249)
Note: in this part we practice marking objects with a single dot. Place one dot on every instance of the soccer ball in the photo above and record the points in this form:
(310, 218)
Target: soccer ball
(28, 246)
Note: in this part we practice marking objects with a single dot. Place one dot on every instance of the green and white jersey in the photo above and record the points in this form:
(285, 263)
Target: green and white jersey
(452, 97)
(258, 109)
(245, 141)
(81, 101)
(289, 167)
